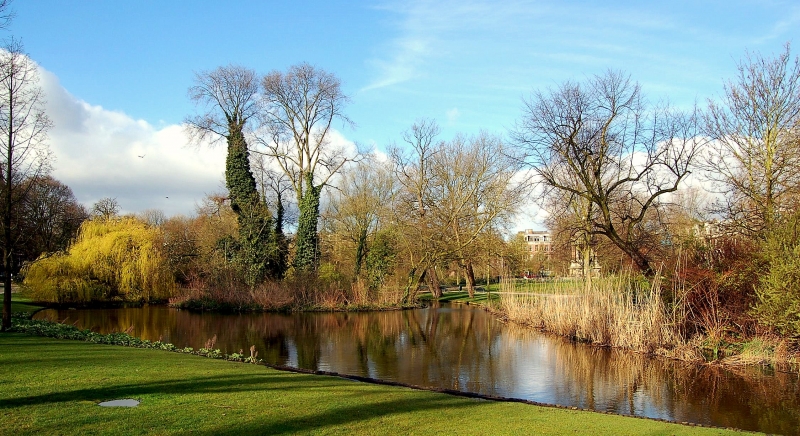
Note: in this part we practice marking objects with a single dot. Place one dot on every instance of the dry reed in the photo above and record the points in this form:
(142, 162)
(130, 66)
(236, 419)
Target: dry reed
(617, 311)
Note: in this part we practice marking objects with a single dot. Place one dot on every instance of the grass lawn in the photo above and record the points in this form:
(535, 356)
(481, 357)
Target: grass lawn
(520, 286)
(20, 304)
(53, 386)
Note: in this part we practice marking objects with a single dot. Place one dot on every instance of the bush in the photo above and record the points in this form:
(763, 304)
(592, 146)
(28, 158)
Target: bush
(778, 295)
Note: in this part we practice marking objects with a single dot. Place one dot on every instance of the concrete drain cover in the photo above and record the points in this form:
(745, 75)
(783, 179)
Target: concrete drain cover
(120, 403)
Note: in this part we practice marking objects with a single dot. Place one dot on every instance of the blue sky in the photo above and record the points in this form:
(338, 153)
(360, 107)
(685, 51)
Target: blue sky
(117, 72)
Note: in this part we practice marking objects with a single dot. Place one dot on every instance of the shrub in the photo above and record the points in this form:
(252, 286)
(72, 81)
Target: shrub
(778, 294)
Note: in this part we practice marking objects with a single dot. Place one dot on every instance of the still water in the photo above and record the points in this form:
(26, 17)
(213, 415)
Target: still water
(463, 348)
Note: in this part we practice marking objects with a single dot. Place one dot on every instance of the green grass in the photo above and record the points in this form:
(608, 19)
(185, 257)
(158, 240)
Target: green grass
(20, 304)
(463, 297)
(53, 386)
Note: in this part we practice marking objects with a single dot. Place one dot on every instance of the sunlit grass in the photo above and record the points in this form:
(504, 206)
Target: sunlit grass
(53, 387)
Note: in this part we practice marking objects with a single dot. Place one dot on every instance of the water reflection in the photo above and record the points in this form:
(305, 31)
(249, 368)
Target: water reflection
(462, 348)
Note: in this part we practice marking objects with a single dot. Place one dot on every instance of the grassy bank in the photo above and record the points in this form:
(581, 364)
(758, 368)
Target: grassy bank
(22, 305)
(53, 387)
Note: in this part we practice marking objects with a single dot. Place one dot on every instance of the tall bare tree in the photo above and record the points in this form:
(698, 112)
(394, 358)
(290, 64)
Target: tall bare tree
(355, 212)
(412, 170)
(755, 155)
(475, 190)
(228, 98)
(24, 153)
(453, 193)
(299, 108)
(105, 208)
(600, 141)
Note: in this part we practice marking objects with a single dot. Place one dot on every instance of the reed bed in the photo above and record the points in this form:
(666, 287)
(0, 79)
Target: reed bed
(226, 291)
(616, 311)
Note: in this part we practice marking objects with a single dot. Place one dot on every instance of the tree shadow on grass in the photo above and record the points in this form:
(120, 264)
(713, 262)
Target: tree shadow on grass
(355, 404)
(347, 415)
(197, 385)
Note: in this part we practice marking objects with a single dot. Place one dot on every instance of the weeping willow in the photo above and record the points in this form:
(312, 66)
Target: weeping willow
(116, 259)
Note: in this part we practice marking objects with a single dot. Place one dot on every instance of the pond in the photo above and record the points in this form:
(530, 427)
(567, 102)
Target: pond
(464, 348)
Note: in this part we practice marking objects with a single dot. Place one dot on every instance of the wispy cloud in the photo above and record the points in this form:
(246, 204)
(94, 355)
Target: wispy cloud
(427, 30)
(452, 115)
(782, 29)
(409, 55)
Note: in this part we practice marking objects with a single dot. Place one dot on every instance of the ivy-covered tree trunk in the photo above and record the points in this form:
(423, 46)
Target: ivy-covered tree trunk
(361, 251)
(307, 256)
(258, 250)
(281, 261)
(238, 177)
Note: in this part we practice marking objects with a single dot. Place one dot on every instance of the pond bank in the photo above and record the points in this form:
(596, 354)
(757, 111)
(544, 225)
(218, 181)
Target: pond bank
(759, 351)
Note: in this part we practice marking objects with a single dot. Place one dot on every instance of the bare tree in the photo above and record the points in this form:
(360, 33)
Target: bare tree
(24, 153)
(414, 176)
(454, 194)
(362, 201)
(601, 142)
(755, 155)
(299, 107)
(153, 217)
(51, 217)
(6, 14)
(474, 190)
(105, 208)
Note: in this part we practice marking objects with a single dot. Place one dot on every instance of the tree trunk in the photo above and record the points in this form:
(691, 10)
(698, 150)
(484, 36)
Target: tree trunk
(7, 295)
(307, 255)
(587, 268)
(361, 249)
(412, 287)
(7, 236)
(433, 283)
(470, 277)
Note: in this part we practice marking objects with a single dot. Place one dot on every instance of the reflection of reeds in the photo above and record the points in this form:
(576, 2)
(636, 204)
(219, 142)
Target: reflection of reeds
(616, 311)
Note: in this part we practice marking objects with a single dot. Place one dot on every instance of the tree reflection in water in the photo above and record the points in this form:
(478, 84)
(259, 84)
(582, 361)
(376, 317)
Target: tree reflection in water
(467, 349)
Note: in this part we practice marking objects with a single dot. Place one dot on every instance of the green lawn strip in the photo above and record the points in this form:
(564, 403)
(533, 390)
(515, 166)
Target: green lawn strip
(20, 304)
(52, 386)
(463, 297)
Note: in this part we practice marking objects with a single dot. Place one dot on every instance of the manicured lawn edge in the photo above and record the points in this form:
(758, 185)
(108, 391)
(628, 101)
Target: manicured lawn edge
(65, 331)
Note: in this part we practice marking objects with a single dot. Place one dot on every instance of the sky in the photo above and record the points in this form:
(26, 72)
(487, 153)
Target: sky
(116, 73)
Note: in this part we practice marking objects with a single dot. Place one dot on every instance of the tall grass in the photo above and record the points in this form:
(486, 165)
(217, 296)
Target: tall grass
(617, 311)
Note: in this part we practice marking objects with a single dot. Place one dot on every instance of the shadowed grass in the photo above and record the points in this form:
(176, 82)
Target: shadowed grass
(20, 304)
(53, 387)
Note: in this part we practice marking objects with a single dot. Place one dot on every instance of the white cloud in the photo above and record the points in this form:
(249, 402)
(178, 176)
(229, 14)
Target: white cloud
(452, 115)
(97, 155)
(102, 153)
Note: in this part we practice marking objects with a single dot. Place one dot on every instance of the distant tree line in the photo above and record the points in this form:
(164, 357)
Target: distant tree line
(309, 222)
